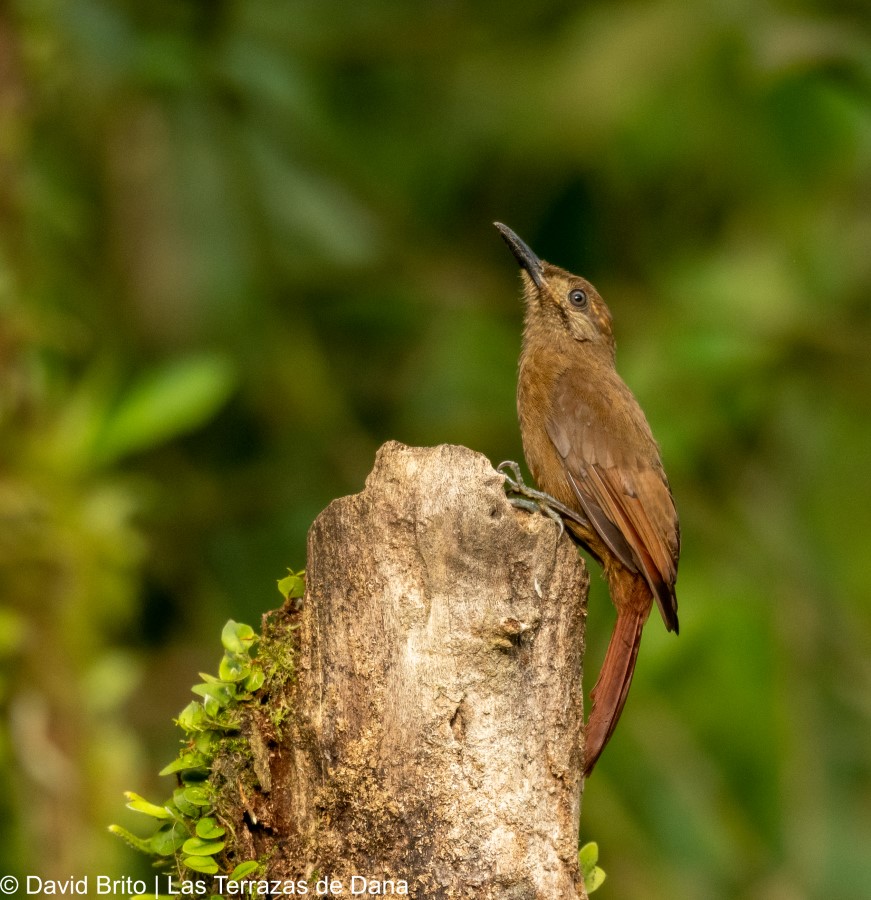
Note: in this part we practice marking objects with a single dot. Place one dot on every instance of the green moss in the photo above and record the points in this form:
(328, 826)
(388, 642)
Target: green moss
(215, 754)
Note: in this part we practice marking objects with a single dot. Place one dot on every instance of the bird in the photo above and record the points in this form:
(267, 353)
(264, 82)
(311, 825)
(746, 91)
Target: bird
(593, 456)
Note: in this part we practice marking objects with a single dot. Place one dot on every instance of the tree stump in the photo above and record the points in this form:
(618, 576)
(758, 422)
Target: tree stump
(431, 733)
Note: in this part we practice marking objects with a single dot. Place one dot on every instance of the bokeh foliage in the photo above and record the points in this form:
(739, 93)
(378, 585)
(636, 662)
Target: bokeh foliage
(246, 241)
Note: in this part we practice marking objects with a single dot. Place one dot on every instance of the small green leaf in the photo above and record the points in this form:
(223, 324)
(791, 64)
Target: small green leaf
(167, 839)
(204, 864)
(199, 796)
(594, 879)
(183, 805)
(197, 847)
(206, 742)
(140, 804)
(588, 855)
(237, 637)
(192, 760)
(194, 776)
(593, 876)
(208, 829)
(137, 843)
(255, 680)
(192, 717)
(292, 585)
(220, 693)
(234, 667)
(243, 869)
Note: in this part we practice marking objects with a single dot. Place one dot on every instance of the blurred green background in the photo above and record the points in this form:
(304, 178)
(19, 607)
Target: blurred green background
(244, 242)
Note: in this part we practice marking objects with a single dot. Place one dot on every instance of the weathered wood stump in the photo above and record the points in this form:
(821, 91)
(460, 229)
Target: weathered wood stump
(431, 731)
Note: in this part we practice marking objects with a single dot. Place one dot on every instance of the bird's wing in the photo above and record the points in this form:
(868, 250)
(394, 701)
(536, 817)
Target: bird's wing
(623, 492)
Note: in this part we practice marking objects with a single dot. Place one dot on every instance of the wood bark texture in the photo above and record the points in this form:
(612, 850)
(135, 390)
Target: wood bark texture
(432, 729)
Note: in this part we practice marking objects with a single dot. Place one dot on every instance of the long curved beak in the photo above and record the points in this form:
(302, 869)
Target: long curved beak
(522, 253)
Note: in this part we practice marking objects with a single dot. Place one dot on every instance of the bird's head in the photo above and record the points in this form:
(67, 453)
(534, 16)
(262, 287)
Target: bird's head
(556, 298)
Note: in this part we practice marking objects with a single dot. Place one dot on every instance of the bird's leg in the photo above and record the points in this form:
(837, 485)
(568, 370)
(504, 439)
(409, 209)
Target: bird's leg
(521, 495)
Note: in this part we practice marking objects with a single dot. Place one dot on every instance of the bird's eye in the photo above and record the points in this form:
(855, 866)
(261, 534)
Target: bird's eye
(578, 298)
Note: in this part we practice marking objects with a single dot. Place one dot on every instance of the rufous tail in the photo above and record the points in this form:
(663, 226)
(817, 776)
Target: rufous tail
(612, 688)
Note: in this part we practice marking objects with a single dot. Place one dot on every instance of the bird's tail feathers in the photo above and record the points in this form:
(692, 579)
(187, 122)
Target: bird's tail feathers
(612, 688)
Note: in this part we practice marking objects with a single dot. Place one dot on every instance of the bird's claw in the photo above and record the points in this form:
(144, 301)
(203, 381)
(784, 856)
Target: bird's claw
(532, 500)
(513, 482)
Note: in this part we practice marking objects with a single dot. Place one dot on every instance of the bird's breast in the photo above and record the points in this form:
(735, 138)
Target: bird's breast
(537, 379)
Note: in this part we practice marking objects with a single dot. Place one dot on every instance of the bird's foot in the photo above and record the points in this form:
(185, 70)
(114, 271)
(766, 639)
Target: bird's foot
(521, 495)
